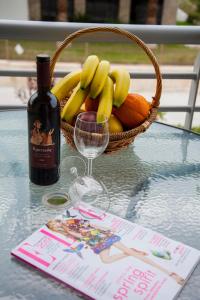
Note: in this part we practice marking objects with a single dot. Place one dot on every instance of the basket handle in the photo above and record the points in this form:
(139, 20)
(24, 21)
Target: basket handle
(132, 37)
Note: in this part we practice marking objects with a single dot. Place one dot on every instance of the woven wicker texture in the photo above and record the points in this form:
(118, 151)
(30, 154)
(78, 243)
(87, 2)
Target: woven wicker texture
(120, 140)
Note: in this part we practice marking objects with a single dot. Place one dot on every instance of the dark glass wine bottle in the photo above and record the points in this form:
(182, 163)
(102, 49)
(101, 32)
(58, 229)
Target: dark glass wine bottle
(43, 128)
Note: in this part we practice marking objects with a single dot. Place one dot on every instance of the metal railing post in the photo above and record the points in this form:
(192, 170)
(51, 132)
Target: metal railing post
(193, 94)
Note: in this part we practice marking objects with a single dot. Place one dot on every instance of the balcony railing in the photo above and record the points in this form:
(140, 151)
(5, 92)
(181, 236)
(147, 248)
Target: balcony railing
(151, 34)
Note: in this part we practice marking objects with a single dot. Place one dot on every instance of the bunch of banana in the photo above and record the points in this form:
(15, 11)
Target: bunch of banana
(105, 101)
(99, 79)
(121, 77)
(89, 68)
(65, 85)
(74, 103)
(94, 80)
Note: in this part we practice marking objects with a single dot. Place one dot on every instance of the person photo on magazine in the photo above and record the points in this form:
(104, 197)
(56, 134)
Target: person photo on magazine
(101, 240)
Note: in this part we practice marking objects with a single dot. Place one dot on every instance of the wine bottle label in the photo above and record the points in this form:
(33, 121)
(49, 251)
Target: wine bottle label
(42, 147)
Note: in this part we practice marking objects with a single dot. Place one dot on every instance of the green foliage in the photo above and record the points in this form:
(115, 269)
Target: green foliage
(161, 115)
(131, 54)
(192, 8)
(196, 129)
(183, 23)
(194, 18)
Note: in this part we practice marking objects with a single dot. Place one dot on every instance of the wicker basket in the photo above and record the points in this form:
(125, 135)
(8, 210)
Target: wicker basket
(120, 140)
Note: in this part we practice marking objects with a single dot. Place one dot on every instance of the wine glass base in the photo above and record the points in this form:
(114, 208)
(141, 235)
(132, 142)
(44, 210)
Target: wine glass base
(71, 167)
(90, 191)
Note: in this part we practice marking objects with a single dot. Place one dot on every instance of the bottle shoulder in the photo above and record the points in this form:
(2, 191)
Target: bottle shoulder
(42, 98)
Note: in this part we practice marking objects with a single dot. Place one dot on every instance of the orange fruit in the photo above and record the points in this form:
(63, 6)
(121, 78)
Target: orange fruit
(133, 111)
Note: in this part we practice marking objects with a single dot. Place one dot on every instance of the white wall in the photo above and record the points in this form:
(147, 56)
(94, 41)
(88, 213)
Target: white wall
(14, 9)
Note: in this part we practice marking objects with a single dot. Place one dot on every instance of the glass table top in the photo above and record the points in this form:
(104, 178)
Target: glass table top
(154, 182)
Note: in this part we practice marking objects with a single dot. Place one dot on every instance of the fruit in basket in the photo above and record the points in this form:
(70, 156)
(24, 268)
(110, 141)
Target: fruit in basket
(104, 92)
(65, 85)
(74, 103)
(99, 78)
(114, 125)
(133, 111)
(89, 68)
(82, 108)
(121, 77)
(105, 101)
(91, 104)
(89, 117)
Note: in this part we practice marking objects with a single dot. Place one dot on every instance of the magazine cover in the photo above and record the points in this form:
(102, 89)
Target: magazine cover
(107, 257)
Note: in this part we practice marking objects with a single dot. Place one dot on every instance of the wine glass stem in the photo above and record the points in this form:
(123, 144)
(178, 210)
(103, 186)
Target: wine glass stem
(90, 166)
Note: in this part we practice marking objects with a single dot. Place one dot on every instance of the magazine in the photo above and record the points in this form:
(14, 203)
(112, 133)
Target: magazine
(107, 257)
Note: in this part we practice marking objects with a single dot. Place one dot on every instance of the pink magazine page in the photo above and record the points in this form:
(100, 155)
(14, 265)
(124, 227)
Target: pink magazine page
(107, 257)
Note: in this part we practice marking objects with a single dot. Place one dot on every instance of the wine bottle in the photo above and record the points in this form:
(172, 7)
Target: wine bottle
(43, 128)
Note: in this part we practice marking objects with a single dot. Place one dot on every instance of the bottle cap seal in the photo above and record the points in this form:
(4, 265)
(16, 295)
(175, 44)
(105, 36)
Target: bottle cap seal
(43, 58)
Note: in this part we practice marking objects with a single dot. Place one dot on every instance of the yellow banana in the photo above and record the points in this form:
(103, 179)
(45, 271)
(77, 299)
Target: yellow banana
(66, 84)
(105, 101)
(89, 68)
(121, 77)
(74, 103)
(99, 78)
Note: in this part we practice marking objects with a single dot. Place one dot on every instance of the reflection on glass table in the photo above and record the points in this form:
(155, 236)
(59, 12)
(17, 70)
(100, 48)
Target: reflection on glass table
(154, 182)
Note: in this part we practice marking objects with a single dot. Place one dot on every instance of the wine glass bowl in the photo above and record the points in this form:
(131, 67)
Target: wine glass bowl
(91, 138)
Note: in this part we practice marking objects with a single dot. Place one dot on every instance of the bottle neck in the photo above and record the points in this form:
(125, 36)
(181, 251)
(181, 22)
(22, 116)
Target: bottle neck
(43, 76)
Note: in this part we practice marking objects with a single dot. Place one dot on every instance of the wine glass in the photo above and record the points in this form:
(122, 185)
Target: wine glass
(91, 139)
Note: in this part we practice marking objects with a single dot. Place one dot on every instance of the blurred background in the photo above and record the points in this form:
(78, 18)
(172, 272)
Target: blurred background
(172, 58)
